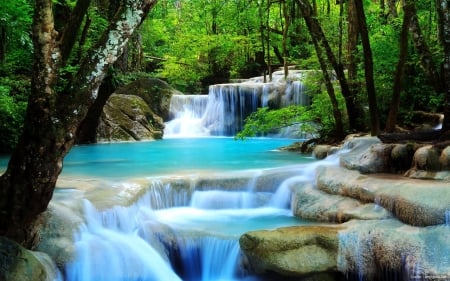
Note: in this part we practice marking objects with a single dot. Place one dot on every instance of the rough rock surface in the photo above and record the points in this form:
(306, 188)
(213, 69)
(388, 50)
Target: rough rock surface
(387, 226)
(136, 111)
(128, 117)
(292, 251)
(19, 264)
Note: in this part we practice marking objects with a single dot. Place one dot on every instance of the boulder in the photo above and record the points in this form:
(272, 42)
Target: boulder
(368, 249)
(20, 264)
(128, 117)
(292, 251)
(367, 155)
(413, 201)
(155, 92)
(311, 203)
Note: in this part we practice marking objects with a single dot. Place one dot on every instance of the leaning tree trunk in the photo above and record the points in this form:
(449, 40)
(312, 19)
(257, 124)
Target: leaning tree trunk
(53, 116)
(316, 31)
(338, 122)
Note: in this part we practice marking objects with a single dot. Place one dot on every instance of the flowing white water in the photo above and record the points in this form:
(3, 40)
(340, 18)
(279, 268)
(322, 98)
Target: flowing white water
(447, 218)
(223, 111)
(109, 248)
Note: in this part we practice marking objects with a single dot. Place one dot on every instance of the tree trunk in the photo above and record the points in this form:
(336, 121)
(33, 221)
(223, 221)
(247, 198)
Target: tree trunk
(316, 31)
(53, 116)
(392, 8)
(285, 32)
(339, 125)
(368, 69)
(426, 58)
(399, 71)
(87, 130)
(3, 44)
(352, 67)
(443, 7)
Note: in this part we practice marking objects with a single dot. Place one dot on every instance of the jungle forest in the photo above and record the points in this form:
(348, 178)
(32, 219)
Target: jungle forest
(377, 63)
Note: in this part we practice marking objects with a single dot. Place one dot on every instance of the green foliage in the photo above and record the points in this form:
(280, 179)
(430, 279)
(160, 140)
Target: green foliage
(12, 112)
(265, 121)
(316, 119)
(15, 26)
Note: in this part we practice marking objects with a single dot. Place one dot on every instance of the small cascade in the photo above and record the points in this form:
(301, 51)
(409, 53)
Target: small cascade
(219, 199)
(108, 249)
(208, 258)
(164, 195)
(447, 218)
(223, 111)
(282, 197)
(295, 94)
(186, 113)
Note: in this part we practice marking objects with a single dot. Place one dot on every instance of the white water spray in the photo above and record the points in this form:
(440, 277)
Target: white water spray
(108, 248)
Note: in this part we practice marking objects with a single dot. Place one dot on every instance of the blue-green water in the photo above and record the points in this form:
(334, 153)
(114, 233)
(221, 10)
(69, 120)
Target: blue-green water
(117, 244)
(176, 155)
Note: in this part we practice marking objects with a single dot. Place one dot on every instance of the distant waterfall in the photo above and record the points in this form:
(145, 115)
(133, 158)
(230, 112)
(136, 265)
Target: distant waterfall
(223, 111)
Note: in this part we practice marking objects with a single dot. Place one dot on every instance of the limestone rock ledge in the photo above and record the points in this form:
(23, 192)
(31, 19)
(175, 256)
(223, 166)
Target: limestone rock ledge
(370, 249)
(379, 206)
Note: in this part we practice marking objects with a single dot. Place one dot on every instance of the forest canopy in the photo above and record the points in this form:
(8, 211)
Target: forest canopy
(193, 44)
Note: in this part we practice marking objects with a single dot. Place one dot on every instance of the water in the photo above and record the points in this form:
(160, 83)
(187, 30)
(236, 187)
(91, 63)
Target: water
(223, 111)
(175, 231)
(180, 156)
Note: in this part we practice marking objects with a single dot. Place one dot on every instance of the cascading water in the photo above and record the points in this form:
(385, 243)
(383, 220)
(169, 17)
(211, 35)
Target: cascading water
(223, 111)
(179, 230)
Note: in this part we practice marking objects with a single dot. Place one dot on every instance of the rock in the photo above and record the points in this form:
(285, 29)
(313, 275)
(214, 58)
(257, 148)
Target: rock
(369, 249)
(368, 156)
(292, 251)
(372, 249)
(402, 157)
(20, 264)
(56, 233)
(427, 158)
(413, 201)
(321, 151)
(155, 92)
(444, 159)
(128, 117)
(312, 204)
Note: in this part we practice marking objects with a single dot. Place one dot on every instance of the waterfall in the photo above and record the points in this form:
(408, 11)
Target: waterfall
(282, 197)
(447, 218)
(223, 111)
(109, 248)
(208, 258)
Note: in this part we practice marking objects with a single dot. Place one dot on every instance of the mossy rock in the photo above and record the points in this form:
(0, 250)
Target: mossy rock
(127, 118)
(19, 264)
(156, 93)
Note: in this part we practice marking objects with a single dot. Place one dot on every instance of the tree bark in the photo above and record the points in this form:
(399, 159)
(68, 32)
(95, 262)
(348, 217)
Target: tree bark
(53, 116)
(368, 69)
(393, 8)
(316, 31)
(352, 66)
(426, 58)
(339, 124)
(443, 7)
(399, 71)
